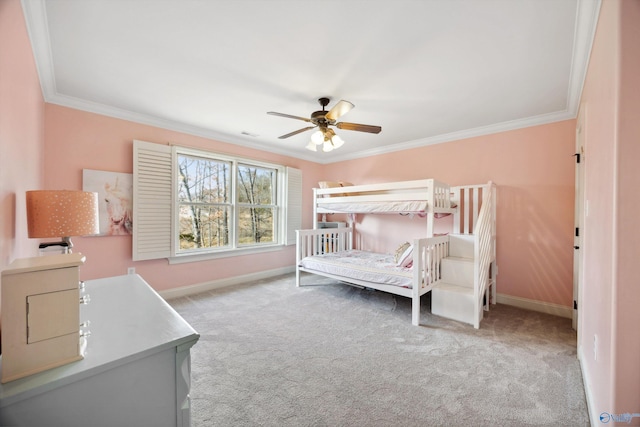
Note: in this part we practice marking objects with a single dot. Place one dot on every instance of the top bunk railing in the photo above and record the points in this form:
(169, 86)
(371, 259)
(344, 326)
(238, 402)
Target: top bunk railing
(468, 199)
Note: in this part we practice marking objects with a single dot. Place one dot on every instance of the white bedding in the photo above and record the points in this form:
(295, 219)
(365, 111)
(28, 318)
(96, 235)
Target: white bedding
(417, 206)
(361, 265)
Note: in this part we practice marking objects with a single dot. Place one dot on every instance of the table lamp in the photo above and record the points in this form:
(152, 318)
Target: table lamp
(62, 213)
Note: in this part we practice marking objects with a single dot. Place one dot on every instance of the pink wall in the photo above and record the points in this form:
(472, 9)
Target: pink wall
(21, 132)
(627, 292)
(533, 169)
(600, 99)
(80, 140)
(611, 102)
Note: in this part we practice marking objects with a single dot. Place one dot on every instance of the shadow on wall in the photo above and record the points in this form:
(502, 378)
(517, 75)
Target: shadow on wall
(535, 243)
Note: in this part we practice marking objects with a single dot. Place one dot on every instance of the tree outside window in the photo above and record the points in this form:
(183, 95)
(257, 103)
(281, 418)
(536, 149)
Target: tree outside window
(256, 206)
(207, 205)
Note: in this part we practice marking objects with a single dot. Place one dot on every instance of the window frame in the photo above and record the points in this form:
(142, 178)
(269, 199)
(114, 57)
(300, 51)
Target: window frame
(234, 247)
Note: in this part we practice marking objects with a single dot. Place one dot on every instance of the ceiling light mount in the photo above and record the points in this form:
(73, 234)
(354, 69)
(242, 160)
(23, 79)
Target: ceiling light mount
(319, 118)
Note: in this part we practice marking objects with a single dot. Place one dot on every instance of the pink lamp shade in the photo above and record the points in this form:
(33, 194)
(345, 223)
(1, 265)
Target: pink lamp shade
(62, 213)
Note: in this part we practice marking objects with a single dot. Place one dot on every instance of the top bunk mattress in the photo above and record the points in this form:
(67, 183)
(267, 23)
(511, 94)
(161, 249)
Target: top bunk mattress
(366, 266)
(404, 206)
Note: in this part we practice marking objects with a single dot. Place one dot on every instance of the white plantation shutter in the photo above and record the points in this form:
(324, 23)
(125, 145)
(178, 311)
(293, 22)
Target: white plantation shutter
(152, 201)
(293, 213)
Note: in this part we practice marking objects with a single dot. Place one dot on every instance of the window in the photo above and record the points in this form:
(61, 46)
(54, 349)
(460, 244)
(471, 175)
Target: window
(215, 204)
(212, 215)
(257, 210)
(204, 203)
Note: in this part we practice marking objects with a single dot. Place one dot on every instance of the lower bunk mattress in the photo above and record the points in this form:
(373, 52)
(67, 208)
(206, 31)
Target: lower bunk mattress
(361, 265)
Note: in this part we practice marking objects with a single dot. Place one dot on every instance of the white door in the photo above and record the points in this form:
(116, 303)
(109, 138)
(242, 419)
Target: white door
(578, 217)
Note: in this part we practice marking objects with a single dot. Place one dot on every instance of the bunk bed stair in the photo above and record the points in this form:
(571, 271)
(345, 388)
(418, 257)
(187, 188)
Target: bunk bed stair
(453, 296)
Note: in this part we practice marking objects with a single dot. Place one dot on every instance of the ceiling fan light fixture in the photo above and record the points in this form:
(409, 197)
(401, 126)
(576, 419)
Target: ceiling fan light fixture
(327, 146)
(312, 146)
(337, 141)
(317, 137)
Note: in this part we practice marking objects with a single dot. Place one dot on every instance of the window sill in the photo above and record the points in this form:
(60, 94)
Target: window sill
(185, 258)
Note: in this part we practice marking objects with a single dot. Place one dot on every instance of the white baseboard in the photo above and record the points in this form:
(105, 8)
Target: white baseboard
(539, 306)
(587, 389)
(222, 283)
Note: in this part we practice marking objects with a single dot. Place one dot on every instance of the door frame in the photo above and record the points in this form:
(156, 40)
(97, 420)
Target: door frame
(579, 215)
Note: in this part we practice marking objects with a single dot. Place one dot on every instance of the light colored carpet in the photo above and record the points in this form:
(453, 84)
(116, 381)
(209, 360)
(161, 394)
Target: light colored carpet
(271, 354)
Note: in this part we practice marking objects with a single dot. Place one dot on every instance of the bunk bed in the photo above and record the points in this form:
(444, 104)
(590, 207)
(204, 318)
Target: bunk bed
(418, 269)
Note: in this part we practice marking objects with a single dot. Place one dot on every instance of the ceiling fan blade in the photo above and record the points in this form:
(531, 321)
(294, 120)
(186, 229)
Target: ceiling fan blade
(338, 110)
(296, 132)
(358, 127)
(273, 113)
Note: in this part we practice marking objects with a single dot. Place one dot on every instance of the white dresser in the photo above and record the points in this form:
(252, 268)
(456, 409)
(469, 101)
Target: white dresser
(136, 369)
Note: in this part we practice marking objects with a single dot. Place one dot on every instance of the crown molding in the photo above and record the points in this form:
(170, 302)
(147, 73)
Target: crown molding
(118, 113)
(464, 134)
(35, 15)
(585, 31)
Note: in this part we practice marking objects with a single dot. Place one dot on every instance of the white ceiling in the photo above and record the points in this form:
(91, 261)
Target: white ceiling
(427, 71)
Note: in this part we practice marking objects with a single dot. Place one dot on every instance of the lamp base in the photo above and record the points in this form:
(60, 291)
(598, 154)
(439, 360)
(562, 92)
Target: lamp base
(48, 244)
(65, 245)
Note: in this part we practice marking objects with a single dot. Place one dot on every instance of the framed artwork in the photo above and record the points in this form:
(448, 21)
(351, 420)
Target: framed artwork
(115, 200)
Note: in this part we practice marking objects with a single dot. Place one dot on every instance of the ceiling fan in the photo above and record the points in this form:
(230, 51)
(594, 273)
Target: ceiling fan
(322, 120)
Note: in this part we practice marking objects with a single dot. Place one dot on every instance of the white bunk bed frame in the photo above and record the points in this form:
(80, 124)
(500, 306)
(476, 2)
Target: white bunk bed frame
(474, 213)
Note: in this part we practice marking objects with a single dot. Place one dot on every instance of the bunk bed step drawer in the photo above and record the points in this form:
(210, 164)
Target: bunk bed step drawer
(457, 271)
(453, 302)
(461, 245)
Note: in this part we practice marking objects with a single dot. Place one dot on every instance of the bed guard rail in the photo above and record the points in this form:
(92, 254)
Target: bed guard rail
(427, 256)
(427, 268)
(322, 241)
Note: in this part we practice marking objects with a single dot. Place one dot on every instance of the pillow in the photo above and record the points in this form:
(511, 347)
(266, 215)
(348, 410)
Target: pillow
(406, 258)
(440, 215)
(403, 247)
(329, 184)
(334, 184)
